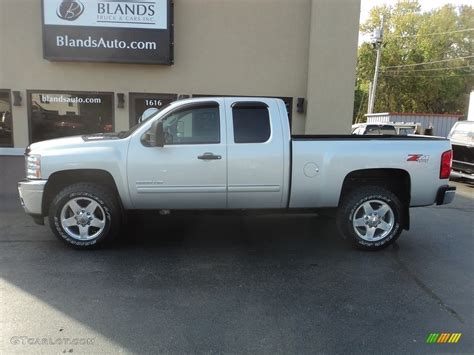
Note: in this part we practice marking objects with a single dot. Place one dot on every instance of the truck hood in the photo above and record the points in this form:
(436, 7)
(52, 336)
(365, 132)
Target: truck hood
(70, 142)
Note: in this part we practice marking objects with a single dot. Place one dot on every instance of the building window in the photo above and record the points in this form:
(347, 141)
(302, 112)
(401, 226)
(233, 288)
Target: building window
(54, 114)
(251, 122)
(6, 122)
(141, 103)
(199, 124)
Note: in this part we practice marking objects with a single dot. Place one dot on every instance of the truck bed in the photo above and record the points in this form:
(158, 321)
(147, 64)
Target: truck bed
(302, 137)
(320, 163)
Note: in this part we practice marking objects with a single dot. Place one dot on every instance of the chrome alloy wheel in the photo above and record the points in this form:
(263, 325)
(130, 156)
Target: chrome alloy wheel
(82, 218)
(373, 220)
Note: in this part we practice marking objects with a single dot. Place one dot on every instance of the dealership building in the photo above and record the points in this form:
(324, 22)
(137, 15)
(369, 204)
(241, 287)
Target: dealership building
(82, 66)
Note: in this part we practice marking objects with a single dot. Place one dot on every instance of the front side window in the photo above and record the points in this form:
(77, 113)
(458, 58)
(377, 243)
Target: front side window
(193, 125)
(251, 122)
(61, 114)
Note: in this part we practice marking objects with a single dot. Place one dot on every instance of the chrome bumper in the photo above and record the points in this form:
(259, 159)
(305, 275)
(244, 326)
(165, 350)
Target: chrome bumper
(445, 195)
(31, 195)
(460, 174)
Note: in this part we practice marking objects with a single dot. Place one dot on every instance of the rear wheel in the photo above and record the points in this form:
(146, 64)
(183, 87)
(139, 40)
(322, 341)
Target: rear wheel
(85, 215)
(370, 217)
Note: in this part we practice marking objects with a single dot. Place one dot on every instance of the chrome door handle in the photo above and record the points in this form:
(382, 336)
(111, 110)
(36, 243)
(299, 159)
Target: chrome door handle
(209, 156)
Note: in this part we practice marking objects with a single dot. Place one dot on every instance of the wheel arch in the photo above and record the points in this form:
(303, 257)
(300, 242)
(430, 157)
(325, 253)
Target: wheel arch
(60, 179)
(397, 181)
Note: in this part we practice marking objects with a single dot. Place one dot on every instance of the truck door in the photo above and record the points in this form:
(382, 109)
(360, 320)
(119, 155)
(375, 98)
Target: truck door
(255, 154)
(189, 172)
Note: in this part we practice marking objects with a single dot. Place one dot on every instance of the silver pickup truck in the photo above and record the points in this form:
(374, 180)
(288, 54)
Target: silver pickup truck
(232, 153)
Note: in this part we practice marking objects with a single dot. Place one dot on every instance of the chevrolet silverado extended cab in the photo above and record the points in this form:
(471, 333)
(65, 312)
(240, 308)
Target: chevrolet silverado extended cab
(232, 153)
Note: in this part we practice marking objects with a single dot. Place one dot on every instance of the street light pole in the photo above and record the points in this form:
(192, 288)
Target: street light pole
(378, 41)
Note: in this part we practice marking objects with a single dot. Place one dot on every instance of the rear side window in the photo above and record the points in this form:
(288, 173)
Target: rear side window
(251, 122)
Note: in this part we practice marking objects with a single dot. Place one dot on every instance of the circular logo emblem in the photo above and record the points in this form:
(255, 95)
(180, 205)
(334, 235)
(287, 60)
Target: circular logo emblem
(70, 10)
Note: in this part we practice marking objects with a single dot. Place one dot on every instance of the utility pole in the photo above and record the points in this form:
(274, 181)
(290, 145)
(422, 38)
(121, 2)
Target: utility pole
(369, 98)
(377, 43)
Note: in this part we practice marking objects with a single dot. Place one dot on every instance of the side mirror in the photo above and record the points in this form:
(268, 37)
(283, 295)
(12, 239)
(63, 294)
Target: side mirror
(157, 134)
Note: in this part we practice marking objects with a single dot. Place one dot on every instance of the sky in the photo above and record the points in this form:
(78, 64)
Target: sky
(426, 5)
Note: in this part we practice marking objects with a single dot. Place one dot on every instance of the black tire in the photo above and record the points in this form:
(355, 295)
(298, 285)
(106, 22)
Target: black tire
(352, 204)
(111, 216)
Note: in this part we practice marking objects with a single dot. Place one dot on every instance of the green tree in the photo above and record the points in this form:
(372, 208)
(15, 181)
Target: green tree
(413, 37)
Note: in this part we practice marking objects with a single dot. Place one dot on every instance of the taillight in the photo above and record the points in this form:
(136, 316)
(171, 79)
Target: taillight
(445, 168)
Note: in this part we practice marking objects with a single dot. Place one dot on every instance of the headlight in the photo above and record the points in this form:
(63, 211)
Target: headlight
(33, 166)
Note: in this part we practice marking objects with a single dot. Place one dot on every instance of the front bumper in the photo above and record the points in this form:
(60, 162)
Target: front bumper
(445, 195)
(31, 195)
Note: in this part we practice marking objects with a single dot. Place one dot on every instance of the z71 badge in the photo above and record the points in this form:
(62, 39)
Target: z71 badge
(420, 158)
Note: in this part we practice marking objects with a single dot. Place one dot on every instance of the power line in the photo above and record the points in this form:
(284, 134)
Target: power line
(426, 76)
(434, 69)
(433, 62)
(431, 34)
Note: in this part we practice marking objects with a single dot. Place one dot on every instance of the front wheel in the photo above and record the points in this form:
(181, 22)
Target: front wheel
(84, 215)
(370, 217)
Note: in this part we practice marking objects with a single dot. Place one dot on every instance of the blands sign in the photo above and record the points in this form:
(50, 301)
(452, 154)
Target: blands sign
(132, 31)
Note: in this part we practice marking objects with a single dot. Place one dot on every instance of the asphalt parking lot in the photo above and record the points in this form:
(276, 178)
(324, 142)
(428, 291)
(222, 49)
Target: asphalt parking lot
(237, 284)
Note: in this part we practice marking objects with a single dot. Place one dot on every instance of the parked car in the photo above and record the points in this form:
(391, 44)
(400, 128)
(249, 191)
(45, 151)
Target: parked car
(404, 129)
(232, 153)
(462, 141)
(389, 128)
(373, 129)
